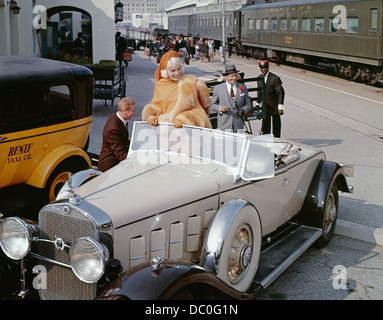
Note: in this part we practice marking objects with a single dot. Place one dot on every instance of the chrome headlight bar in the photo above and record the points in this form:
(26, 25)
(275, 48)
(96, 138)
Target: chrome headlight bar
(88, 257)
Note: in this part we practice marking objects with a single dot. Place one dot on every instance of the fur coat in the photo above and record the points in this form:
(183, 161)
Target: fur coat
(184, 102)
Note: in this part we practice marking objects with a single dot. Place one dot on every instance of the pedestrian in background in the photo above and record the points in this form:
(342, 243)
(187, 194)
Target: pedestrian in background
(206, 51)
(211, 46)
(230, 43)
(201, 48)
(121, 46)
(274, 100)
(78, 45)
(181, 48)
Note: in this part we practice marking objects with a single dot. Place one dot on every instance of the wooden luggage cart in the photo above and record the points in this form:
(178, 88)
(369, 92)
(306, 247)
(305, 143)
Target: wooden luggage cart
(109, 83)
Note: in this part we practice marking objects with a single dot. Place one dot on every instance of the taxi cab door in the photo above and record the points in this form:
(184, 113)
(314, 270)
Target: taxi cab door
(22, 133)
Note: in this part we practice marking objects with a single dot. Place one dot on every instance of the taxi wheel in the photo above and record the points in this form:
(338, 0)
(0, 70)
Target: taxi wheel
(58, 178)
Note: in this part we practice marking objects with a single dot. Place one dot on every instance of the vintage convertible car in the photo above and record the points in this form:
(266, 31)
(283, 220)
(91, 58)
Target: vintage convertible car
(191, 213)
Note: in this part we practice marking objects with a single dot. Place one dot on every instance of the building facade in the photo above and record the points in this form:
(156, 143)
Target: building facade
(38, 25)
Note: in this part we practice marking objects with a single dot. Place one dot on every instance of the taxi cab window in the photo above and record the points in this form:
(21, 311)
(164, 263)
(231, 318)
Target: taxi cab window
(21, 108)
(60, 105)
(35, 106)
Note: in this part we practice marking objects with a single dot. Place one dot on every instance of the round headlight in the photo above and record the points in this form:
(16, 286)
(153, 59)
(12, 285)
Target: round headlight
(88, 258)
(15, 238)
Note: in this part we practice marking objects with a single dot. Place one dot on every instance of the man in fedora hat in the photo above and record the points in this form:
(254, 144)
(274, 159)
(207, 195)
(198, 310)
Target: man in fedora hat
(231, 101)
(274, 100)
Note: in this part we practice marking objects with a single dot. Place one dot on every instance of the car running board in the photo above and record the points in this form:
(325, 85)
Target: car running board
(275, 259)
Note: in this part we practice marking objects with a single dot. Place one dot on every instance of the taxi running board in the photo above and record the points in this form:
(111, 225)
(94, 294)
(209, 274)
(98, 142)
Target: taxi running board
(277, 258)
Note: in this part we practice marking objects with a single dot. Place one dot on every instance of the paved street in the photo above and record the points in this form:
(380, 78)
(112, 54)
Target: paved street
(329, 113)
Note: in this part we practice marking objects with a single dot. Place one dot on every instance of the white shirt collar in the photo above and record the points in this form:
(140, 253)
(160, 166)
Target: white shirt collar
(123, 121)
(266, 75)
(228, 86)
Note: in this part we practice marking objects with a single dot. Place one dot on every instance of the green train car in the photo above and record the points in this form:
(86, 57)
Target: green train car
(347, 34)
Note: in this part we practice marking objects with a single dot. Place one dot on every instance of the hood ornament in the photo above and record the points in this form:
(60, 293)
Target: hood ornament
(73, 198)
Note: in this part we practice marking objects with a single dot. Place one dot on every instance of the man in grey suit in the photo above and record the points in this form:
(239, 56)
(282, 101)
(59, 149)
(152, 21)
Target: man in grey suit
(231, 101)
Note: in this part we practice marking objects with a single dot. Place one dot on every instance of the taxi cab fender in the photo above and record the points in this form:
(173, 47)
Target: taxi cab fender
(76, 158)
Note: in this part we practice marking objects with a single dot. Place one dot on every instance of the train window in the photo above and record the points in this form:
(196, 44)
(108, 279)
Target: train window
(283, 24)
(294, 24)
(352, 26)
(334, 24)
(374, 18)
(319, 25)
(257, 24)
(250, 24)
(265, 24)
(274, 24)
(305, 24)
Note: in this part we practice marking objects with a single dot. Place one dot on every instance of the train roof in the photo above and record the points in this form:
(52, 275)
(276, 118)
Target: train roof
(255, 3)
(279, 3)
(187, 3)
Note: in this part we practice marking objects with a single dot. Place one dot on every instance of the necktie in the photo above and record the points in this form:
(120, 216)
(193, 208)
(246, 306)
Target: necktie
(232, 92)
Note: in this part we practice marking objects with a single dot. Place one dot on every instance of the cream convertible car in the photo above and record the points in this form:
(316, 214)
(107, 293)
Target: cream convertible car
(191, 213)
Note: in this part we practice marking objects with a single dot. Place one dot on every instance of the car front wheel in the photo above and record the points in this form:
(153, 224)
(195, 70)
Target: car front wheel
(233, 246)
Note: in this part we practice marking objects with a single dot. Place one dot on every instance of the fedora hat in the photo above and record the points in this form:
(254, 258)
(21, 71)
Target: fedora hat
(230, 68)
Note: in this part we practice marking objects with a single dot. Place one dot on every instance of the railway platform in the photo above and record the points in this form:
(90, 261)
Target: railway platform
(140, 86)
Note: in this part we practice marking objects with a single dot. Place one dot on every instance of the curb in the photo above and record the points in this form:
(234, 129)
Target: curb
(359, 232)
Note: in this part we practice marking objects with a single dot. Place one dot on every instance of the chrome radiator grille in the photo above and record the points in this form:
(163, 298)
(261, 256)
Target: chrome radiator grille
(61, 221)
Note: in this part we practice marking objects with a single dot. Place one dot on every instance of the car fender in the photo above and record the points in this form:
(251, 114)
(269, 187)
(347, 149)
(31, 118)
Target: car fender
(325, 175)
(6, 276)
(213, 257)
(78, 179)
(44, 169)
(167, 281)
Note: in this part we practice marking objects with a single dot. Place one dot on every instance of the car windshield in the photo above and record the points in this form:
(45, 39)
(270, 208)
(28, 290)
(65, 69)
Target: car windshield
(194, 142)
(251, 158)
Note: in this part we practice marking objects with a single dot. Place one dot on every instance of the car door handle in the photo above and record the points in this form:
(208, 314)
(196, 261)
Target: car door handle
(285, 182)
(3, 138)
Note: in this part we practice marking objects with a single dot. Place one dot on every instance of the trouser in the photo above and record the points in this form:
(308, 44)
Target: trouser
(266, 125)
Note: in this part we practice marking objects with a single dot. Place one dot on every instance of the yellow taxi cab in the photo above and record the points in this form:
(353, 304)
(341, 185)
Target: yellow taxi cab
(45, 117)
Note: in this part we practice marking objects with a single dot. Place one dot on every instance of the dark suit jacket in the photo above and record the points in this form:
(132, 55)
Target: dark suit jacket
(274, 93)
(121, 44)
(115, 143)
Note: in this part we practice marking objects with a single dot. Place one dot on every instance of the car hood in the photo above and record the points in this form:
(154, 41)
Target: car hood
(133, 191)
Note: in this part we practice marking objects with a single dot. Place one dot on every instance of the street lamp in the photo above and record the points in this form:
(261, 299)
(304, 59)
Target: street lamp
(15, 8)
(119, 12)
(223, 57)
